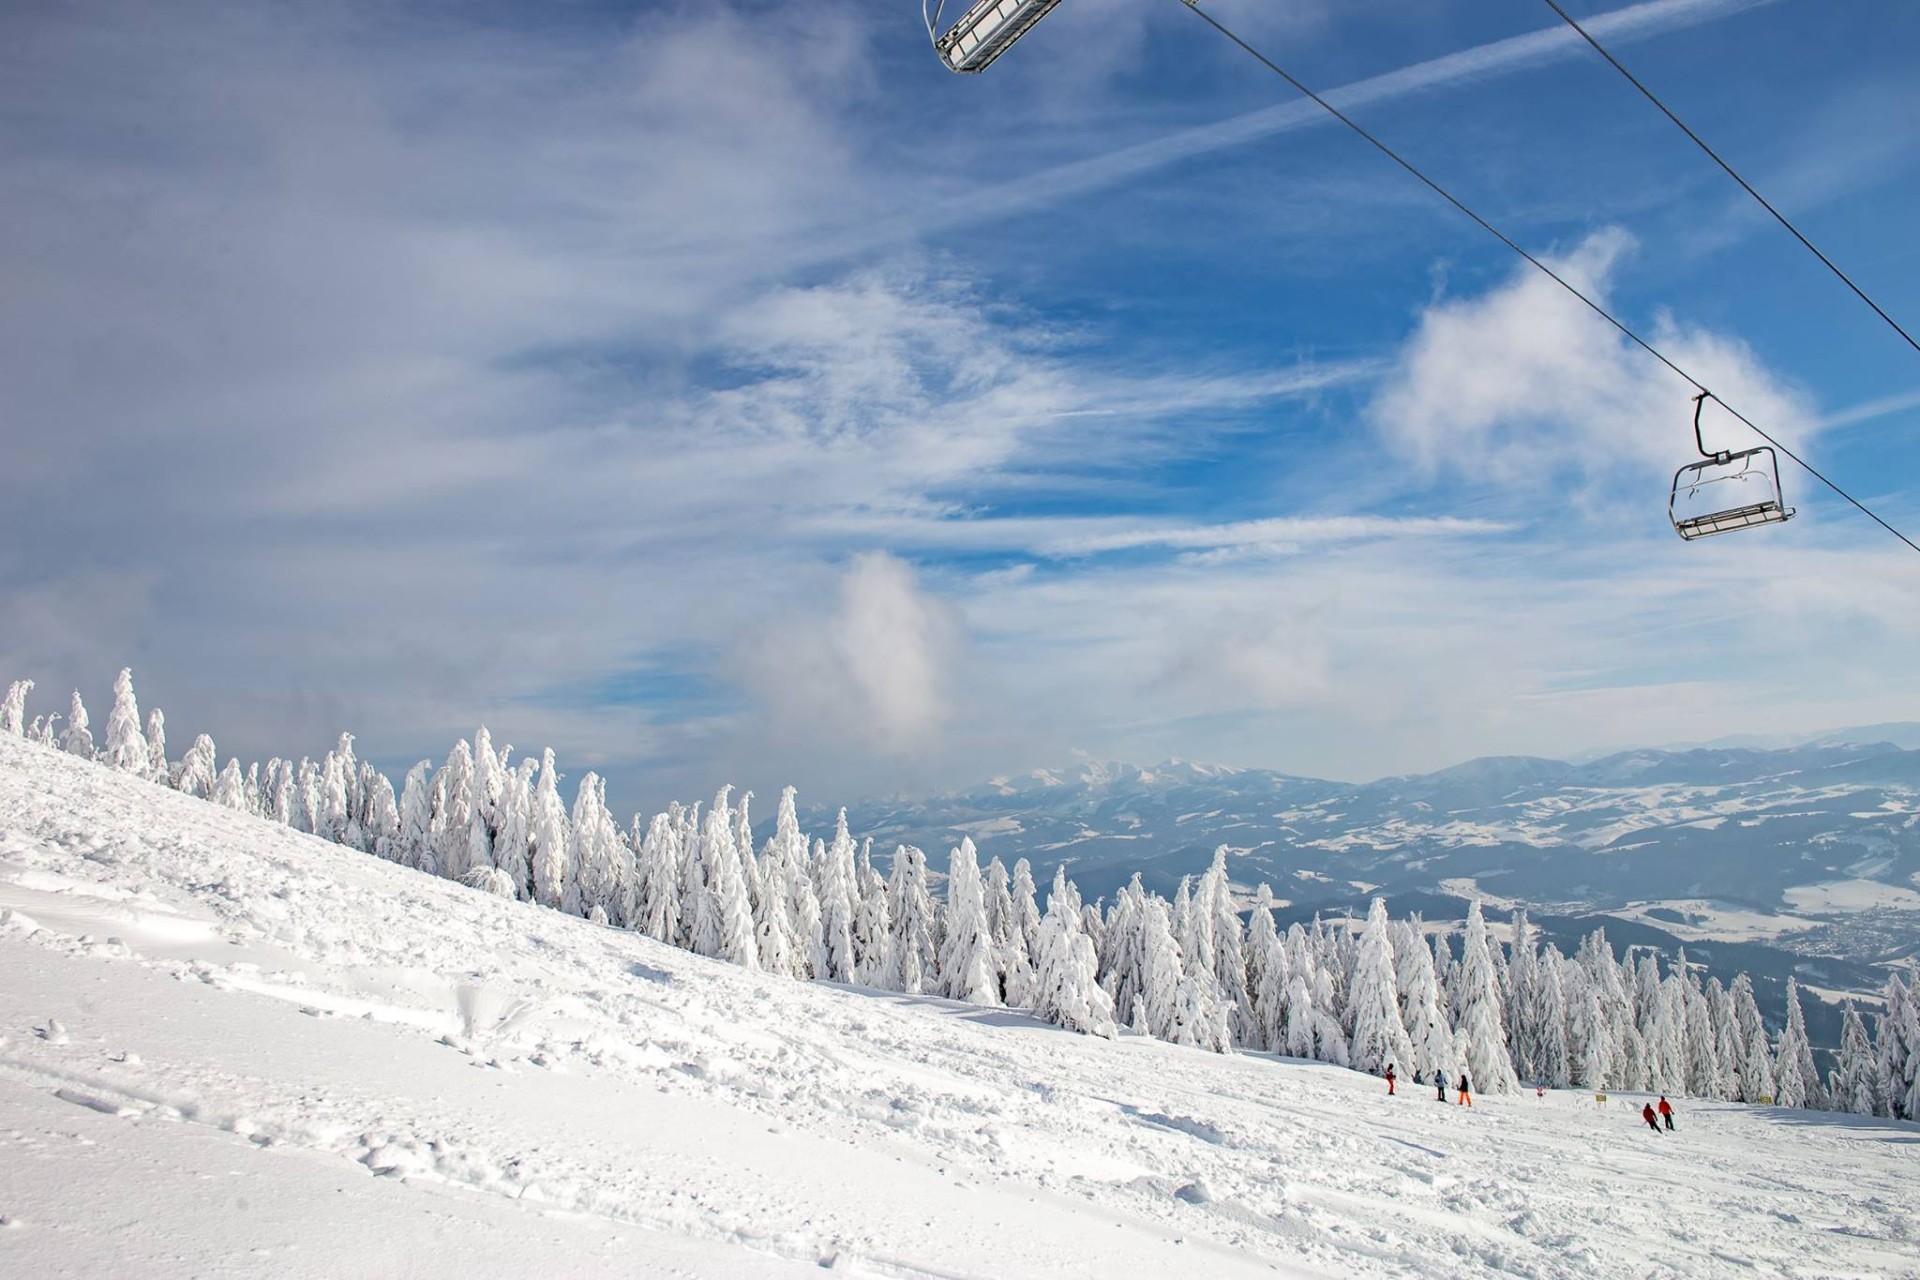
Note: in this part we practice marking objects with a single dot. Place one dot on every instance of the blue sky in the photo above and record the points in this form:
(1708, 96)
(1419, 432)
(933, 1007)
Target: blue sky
(727, 392)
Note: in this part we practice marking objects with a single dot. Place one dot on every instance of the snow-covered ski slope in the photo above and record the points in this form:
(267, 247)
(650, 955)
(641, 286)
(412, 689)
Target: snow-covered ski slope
(230, 1049)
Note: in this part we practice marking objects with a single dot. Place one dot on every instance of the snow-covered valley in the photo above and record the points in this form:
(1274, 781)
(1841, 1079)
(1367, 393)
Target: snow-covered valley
(227, 1048)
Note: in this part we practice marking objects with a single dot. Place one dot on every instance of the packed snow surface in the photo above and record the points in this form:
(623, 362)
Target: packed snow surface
(227, 1048)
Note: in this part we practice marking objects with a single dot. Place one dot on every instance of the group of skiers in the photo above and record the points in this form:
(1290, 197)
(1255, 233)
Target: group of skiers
(1439, 1083)
(1652, 1114)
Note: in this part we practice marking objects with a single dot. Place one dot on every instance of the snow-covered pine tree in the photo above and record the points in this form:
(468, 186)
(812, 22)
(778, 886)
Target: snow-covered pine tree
(489, 784)
(1229, 959)
(784, 881)
(1261, 937)
(1310, 1030)
(1855, 1085)
(809, 937)
(1704, 1072)
(743, 850)
(1795, 1082)
(772, 912)
(353, 830)
(416, 815)
(873, 936)
(1120, 949)
(657, 872)
(1093, 923)
(382, 815)
(835, 885)
(1481, 1031)
(230, 788)
(1329, 972)
(1011, 960)
(1069, 993)
(1726, 1048)
(157, 768)
(1905, 1093)
(126, 748)
(306, 797)
(724, 921)
(1026, 908)
(693, 875)
(41, 731)
(332, 822)
(698, 906)
(865, 877)
(1593, 1029)
(553, 879)
(1192, 929)
(513, 838)
(1423, 1007)
(966, 960)
(77, 740)
(916, 930)
(1378, 1038)
(1667, 1040)
(1553, 1065)
(1200, 1016)
(278, 788)
(198, 768)
(1521, 996)
(597, 853)
(427, 856)
(13, 708)
(256, 797)
(1156, 998)
(1270, 1001)
(1897, 1045)
(1754, 1069)
(1443, 976)
(457, 815)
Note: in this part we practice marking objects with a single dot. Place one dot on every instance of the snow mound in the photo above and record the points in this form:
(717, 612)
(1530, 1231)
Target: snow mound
(227, 1045)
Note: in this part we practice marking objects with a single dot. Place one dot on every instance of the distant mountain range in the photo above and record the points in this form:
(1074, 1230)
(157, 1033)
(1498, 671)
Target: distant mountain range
(1803, 858)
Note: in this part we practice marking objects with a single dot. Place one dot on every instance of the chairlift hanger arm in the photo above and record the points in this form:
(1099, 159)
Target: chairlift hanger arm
(1700, 441)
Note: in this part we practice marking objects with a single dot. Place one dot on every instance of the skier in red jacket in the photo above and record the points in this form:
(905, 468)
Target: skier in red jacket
(1389, 1079)
(1666, 1111)
(1653, 1121)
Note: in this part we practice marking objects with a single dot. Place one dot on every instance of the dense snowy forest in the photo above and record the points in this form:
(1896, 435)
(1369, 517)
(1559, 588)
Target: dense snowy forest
(1502, 1011)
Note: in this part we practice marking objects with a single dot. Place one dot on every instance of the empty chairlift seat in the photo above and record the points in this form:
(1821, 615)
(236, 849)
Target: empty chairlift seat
(985, 31)
(1726, 491)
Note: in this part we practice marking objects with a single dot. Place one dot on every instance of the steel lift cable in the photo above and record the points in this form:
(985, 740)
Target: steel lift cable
(1535, 262)
(1745, 186)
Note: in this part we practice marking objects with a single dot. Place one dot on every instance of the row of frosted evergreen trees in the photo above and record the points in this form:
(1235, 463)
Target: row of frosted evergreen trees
(1189, 971)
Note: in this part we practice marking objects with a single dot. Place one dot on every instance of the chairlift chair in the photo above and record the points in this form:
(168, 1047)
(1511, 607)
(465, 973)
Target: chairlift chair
(985, 31)
(1726, 490)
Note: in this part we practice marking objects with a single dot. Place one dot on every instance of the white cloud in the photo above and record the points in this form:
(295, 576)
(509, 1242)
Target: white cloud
(1528, 385)
(872, 673)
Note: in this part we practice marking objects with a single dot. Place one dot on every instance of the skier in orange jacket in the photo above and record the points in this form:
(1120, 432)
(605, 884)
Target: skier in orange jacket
(1666, 1111)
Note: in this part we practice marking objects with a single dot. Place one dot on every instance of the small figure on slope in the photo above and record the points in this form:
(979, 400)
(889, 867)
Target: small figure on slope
(1439, 1085)
(1666, 1111)
(1653, 1121)
(1466, 1091)
(1389, 1079)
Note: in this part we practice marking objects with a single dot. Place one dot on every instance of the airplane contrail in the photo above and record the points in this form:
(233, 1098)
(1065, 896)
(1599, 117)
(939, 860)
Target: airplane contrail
(1515, 53)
